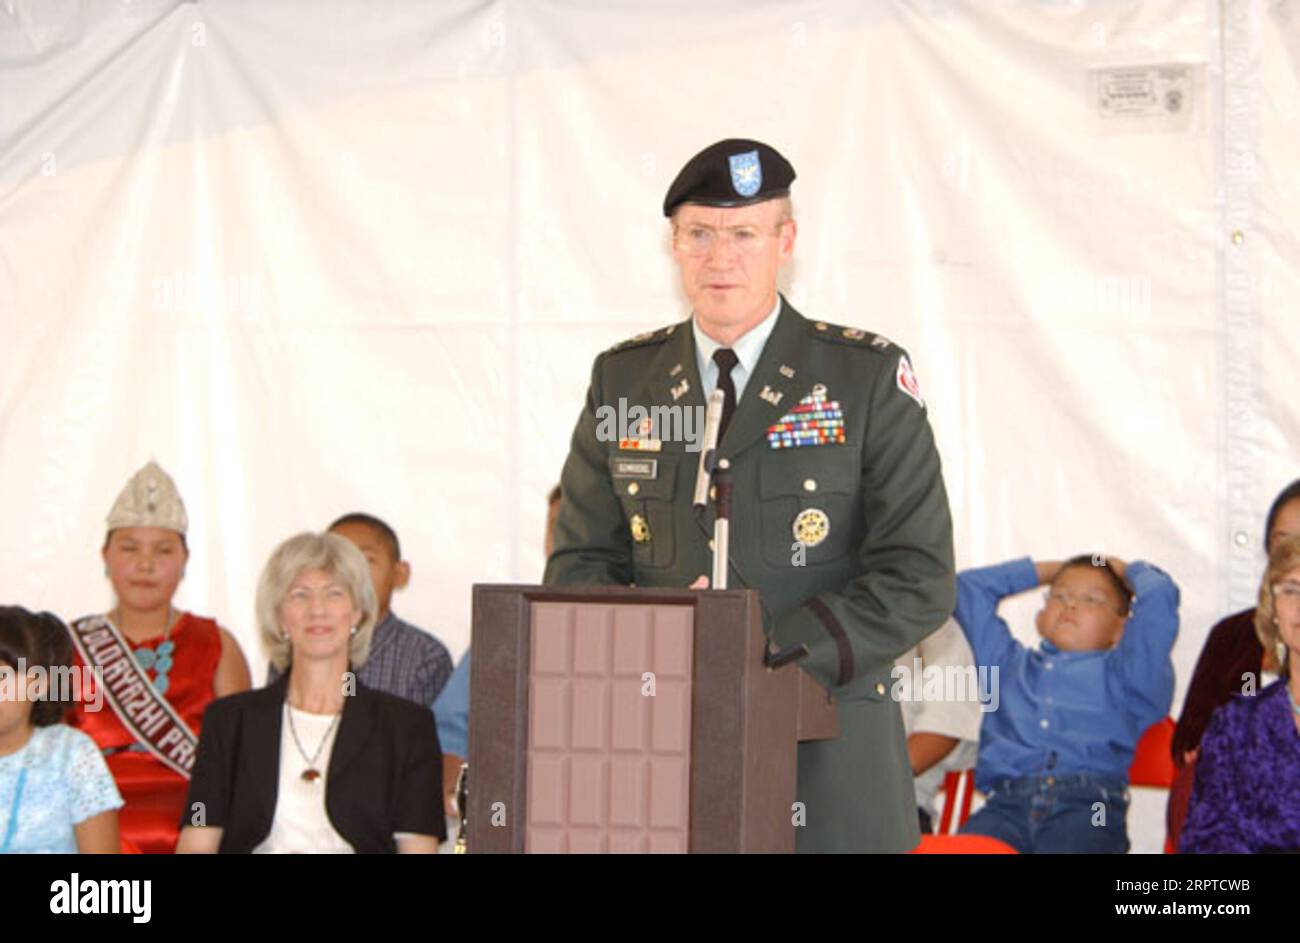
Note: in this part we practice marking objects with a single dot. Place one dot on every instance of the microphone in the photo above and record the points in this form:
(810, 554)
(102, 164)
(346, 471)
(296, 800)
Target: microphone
(712, 421)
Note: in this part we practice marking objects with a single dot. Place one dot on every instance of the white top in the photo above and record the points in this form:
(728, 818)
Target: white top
(300, 825)
(947, 708)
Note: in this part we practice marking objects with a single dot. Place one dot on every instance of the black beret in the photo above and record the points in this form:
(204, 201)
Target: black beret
(735, 172)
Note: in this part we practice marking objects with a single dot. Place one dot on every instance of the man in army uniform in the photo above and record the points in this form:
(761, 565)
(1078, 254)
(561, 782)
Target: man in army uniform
(839, 515)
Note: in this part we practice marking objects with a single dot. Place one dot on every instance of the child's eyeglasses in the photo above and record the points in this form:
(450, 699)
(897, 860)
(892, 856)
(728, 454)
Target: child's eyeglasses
(1085, 601)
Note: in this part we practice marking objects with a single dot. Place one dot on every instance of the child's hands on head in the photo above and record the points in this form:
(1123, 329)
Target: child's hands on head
(1085, 608)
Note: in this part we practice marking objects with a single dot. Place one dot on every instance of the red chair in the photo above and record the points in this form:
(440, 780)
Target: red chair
(958, 791)
(962, 845)
(1153, 763)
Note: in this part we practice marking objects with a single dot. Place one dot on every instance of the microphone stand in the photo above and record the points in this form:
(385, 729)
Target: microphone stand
(721, 523)
(774, 657)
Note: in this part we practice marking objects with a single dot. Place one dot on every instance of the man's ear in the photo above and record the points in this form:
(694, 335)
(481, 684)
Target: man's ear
(401, 574)
(1040, 621)
(788, 233)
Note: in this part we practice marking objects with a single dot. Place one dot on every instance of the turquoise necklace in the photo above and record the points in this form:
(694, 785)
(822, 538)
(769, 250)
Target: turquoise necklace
(158, 658)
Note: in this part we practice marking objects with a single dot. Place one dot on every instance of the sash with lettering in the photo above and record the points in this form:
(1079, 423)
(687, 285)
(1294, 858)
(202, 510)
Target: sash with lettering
(147, 715)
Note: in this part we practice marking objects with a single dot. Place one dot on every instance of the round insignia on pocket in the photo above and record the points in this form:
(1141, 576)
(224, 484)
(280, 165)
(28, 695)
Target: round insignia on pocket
(640, 529)
(811, 526)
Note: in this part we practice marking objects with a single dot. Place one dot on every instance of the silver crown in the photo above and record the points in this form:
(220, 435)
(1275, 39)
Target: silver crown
(150, 499)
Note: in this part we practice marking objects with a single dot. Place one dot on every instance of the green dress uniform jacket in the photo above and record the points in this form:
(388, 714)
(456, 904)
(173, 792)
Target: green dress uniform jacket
(880, 579)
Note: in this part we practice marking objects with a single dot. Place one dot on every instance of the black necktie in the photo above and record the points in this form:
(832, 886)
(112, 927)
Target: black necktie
(726, 358)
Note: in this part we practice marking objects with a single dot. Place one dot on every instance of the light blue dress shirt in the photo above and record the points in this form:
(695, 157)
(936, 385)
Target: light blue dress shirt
(748, 349)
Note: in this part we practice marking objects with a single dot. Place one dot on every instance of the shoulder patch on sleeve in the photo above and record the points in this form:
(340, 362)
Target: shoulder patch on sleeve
(905, 378)
(852, 336)
(646, 338)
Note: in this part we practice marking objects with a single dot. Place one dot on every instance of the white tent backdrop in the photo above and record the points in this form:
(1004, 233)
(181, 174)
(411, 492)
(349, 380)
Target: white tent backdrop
(323, 256)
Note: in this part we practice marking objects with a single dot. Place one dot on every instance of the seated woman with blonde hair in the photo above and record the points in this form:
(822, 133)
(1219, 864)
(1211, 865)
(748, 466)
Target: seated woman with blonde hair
(1246, 796)
(316, 762)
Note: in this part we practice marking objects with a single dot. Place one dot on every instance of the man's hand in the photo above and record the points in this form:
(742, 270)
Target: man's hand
(701, 582)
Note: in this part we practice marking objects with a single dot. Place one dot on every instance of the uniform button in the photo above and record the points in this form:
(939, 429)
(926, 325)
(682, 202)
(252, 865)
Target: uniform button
(1048, 700)
(713, 492)
(1043, 723)
(880, 687)
(633, 488)
(1238, 237)
(809, 484)
(1051, 780)
(1049, 665)
(710, 544)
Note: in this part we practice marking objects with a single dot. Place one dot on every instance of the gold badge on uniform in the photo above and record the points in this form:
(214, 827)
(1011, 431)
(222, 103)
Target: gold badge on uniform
(811, 526)
(640, 529)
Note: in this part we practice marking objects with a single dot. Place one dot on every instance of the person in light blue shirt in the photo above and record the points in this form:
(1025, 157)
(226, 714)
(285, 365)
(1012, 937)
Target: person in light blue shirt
(451, 711)
(56, 793)
(1054, 757)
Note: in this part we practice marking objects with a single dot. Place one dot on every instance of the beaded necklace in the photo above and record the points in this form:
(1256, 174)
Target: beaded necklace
(158, 658)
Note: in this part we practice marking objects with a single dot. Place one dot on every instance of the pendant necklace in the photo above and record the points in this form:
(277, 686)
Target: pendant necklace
(311, 773)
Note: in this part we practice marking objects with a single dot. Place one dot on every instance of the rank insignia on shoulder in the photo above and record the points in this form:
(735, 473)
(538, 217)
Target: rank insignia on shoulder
(645, 337)
(906, 379)
(853, 336)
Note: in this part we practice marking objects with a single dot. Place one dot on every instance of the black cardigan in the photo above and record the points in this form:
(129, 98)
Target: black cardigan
(385, 771)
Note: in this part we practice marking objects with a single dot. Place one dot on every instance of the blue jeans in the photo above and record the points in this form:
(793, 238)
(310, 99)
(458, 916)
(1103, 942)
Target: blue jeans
(1079, 814)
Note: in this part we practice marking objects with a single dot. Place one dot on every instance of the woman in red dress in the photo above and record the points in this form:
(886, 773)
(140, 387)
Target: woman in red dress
(160, 666)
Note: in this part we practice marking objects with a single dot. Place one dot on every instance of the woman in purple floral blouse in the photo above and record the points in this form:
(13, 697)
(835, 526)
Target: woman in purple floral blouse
(1247, 793)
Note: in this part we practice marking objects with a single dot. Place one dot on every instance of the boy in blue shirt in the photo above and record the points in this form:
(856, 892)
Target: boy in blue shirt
(1054, 757)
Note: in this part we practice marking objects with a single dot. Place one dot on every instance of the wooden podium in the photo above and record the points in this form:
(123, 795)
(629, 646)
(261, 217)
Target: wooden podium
(613, 719)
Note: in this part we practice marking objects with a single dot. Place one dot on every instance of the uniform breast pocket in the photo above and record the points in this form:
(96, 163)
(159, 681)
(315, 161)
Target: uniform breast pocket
(809, 504)
(647, 487)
